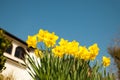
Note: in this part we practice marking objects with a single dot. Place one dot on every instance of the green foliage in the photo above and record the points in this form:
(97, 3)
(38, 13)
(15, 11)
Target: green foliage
(66, 68)
(4, 44)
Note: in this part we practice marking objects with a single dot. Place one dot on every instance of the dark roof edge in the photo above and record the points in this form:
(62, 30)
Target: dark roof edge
(9, 34)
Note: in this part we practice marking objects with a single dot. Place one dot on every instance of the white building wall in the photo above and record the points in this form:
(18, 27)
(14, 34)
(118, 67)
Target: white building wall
(19, 73)
(15, 66)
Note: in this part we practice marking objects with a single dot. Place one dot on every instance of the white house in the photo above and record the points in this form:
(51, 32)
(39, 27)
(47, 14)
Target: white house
(15, 57)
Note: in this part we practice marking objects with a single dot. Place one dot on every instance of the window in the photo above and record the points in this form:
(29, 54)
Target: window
(9, 49)
(19, 53)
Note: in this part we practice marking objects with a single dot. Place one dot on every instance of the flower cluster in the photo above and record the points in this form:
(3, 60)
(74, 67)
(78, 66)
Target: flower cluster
(58, 60)
(48, 38)
(43, 36)
(64, 47)
(74, 49)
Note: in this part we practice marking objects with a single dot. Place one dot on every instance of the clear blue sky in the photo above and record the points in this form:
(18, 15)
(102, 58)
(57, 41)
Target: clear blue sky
(87, 21)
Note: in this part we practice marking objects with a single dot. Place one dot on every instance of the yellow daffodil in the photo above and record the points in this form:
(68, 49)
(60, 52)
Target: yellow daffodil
(32, 41)
(84, 53)
(106, 61)
(74, 47)
(71, 48)
(63, 42)
(94, 50)
(42, 34)
(58, 51)
(50, 39)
